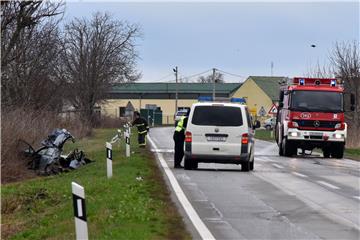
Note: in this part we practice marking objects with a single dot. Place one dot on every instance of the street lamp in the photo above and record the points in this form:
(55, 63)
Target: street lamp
(176, 88)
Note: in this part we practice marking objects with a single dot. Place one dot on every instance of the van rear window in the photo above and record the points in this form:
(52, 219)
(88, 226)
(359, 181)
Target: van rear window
(217, 116)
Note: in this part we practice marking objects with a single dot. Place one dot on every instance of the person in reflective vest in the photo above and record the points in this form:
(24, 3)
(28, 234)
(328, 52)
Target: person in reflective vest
(142, 127)
(179, 138)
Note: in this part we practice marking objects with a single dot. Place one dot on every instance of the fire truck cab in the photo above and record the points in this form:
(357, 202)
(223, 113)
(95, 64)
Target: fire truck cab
(311, 115)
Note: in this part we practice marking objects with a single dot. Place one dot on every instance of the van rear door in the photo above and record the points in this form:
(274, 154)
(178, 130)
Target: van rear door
(217, 130)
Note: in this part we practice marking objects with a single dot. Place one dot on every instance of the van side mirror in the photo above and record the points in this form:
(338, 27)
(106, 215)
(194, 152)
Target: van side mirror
(256, 124)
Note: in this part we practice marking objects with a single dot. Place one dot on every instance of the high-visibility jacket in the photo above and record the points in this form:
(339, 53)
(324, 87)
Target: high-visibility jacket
(181, 125)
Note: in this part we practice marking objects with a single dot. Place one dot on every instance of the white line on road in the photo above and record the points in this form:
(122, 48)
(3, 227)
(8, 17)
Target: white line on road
(189, 209)
(277, 166)
(299, 174)
(357, 197)
(163, 150)
(328, 185)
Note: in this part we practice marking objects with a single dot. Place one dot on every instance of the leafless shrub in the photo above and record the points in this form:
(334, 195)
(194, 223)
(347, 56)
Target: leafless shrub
(110, 122)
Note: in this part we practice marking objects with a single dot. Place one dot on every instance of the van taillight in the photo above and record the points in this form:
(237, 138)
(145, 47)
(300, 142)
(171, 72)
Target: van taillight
(188, 137)
(245, 138)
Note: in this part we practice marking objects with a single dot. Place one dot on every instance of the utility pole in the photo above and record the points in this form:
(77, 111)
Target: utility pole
(272, 68)
(213, 84)
(176, 88)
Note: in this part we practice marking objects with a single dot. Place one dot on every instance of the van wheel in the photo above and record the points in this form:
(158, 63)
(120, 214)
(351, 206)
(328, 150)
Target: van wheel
(194, 164)
(252, 165)
(187, 164)
(245, 167)
(252, 160)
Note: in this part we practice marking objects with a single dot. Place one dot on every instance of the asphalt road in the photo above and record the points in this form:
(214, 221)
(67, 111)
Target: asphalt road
(283, 198)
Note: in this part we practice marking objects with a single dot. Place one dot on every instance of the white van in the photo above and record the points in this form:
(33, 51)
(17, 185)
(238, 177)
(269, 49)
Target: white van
(221, 133)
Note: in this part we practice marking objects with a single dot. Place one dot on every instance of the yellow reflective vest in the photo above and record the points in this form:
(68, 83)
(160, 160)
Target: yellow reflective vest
(180, 124)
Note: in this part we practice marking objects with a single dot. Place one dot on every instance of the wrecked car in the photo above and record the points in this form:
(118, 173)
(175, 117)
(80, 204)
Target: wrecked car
(48, 159)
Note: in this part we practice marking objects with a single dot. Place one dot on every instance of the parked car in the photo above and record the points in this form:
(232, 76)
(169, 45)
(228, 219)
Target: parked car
(269, 123)
(220, 133)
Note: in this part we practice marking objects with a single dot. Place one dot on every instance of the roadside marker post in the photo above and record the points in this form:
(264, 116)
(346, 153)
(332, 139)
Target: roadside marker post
(81, 227)
(127, 140)
(109, 159)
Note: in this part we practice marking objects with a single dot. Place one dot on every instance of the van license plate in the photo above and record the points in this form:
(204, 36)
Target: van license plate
(216, 139)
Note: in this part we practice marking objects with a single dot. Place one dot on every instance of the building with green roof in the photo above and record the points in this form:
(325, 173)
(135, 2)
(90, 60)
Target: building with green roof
(261, 93)
(142, 95)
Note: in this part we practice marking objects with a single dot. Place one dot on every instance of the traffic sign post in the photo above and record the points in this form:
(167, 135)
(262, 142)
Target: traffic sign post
(273, 110)
(262, 112)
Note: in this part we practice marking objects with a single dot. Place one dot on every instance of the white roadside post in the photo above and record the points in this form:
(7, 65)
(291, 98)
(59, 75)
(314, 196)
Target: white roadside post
(109, 159)
(127, 140)
(119, 137)
(79, 211)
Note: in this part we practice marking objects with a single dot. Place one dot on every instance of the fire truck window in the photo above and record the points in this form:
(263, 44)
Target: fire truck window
(317, 101)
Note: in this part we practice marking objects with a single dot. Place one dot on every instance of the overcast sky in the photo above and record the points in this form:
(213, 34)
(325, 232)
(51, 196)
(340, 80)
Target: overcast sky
(242, 38)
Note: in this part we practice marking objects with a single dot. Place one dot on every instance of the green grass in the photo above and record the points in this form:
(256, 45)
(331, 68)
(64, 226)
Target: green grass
(353, 153)
(119, 208)
(263, 134)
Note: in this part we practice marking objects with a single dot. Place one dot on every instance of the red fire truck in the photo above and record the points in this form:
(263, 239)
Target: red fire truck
(311, 115)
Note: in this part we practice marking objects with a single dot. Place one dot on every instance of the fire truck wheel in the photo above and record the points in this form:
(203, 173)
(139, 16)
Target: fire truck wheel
(326, 153)
(288, 148)
(281, 153)
(338, 151)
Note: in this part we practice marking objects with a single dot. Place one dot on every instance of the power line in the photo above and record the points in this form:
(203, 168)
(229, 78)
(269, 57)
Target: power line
(197, 74)
(232, 74)
(162, 78)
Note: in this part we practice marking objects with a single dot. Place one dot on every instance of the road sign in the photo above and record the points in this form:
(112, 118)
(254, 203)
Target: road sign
(262, 112)
(273, 109)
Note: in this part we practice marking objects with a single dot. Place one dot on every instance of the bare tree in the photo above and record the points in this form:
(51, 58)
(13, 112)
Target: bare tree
(20, 16)
(97, 54)
(318, 71)
(30, 50)
(345, 58)
(219, 78)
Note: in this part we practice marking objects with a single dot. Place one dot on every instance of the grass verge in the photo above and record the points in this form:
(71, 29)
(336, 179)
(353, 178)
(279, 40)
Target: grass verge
(263, 134)
(353, 153)
(120, 208)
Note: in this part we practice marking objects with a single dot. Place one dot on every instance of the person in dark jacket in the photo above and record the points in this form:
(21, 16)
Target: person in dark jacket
(142, 127)
(179, 138)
